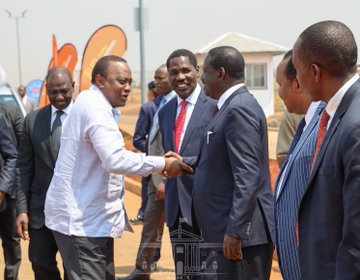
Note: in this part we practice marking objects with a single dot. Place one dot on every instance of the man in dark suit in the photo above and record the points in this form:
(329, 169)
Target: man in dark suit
(183, 72)
(10, 243)
(38, 151)
(295, 171)
(325, 57)
(232, 197)
(154, 216)
(142, 129)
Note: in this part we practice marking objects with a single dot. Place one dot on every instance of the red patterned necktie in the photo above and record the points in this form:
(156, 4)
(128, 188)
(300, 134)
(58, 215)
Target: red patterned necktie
(321, 134)
(179, 125)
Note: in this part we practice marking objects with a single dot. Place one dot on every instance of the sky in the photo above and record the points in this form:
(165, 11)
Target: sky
(172, 24)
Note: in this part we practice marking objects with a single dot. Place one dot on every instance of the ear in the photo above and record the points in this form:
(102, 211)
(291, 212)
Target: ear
(99, 81)
(316, 71)
(296, 86)
(221, 73)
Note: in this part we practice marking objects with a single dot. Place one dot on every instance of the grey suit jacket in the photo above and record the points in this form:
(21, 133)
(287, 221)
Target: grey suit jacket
(232, 193)
(36, 162)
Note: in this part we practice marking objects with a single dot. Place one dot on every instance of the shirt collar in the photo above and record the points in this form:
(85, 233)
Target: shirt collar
(168, 97)
(192, 98)
(66, 110)
(335, 101)
(311, 112)
(227, 94)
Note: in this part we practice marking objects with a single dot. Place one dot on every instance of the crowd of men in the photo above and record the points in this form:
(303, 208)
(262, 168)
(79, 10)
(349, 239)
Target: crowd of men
(204, 163)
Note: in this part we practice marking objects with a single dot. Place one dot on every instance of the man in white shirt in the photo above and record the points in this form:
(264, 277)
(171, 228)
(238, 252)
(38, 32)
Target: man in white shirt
(84, 206)
(38, 150)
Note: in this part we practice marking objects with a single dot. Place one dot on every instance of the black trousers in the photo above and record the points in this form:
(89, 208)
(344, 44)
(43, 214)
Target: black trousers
(42, 254)
(190, 235)
(90, 258)
(10, 240)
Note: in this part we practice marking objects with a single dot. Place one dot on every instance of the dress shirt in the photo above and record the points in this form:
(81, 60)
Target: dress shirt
(335, 101)
(308, 116)
(227, 94)
(191, 101)
(63, 116)
(85, 195)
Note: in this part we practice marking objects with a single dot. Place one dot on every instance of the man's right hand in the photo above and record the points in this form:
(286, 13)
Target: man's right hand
(175, 167)
(22, 226)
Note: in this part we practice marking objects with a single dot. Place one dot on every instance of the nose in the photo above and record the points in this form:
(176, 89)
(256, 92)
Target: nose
(127, 87)
(180, 76)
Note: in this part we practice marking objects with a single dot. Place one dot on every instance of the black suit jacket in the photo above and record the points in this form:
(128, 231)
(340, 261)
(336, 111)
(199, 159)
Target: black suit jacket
(8, 153)
(36, 162)
(329, 214)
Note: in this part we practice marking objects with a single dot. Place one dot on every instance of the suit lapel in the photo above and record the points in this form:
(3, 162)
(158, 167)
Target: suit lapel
(172, 118)
(195, 118)
(344, 105)
(45, 123)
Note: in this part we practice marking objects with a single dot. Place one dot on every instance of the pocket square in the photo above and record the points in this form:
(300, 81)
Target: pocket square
(208, 136)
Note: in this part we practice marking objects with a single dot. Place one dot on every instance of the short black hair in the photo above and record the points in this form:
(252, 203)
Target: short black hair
(55, 70)
(182, 52)
(331, 45)
(289, 71)
(230, 59)
(102, 64)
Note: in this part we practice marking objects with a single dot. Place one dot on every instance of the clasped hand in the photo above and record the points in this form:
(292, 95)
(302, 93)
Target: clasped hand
(174, 165)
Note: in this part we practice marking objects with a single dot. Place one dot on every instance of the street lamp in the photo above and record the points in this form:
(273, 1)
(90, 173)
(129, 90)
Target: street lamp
(18, 37)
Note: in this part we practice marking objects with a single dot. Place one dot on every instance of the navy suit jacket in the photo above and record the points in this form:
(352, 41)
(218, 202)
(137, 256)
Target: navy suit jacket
(143, 124)
(232, 193)
(295, 172)
(329, 214)
(178, 191)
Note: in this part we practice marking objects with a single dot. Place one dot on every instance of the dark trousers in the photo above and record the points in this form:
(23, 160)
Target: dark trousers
(10, 240)
(42, 254)
(90, 258)
(144, 194)
(256, 264)
(153, 226)
(190, 235)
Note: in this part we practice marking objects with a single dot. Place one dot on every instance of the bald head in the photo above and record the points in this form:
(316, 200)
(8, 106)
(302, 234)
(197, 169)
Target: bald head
(329, 44)
(58, 71)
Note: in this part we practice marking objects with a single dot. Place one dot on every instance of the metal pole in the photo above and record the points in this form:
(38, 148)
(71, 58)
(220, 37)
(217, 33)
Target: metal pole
(18, 49)
(18, 40)
(142, 53)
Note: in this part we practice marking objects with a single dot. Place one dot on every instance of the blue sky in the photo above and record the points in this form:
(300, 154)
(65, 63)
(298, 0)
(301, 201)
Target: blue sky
(171, 24)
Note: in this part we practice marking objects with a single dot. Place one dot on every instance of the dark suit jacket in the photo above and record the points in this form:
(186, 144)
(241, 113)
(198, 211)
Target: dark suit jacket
(9, 153)
(178, 192)
(14, 119)
(36, 162)
(143, 124)
(232, 193)
(329, 220)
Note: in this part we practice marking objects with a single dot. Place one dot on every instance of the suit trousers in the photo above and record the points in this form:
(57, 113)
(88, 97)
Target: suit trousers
(90, 258)
(144, 194)
(42, 254)
(256, 264)
(10, 240)
(152, 231)
(180, 259)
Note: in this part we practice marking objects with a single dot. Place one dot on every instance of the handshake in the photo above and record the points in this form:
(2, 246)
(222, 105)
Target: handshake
(174, 165)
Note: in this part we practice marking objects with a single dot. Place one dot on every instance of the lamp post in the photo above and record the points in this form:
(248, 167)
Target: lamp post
(17, 17)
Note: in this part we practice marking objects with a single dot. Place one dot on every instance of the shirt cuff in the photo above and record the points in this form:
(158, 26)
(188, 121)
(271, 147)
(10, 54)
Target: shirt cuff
(157, 162)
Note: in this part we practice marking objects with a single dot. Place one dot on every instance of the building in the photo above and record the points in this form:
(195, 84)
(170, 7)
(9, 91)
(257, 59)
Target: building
(259, 64)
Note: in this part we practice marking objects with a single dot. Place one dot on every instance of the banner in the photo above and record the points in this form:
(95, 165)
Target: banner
(33, 89)
(67, 57)
(107, 40)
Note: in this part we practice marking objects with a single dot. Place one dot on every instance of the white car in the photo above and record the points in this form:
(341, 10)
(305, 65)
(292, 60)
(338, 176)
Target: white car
(10, 96)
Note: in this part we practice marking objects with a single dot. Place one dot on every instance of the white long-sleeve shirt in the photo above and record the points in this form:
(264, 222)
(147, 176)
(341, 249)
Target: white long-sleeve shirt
(86, 191)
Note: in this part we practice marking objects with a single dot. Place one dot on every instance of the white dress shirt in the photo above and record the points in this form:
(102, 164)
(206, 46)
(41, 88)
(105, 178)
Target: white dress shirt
(335, 101)
(227, 94)
(189, 108)
(86, 191)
